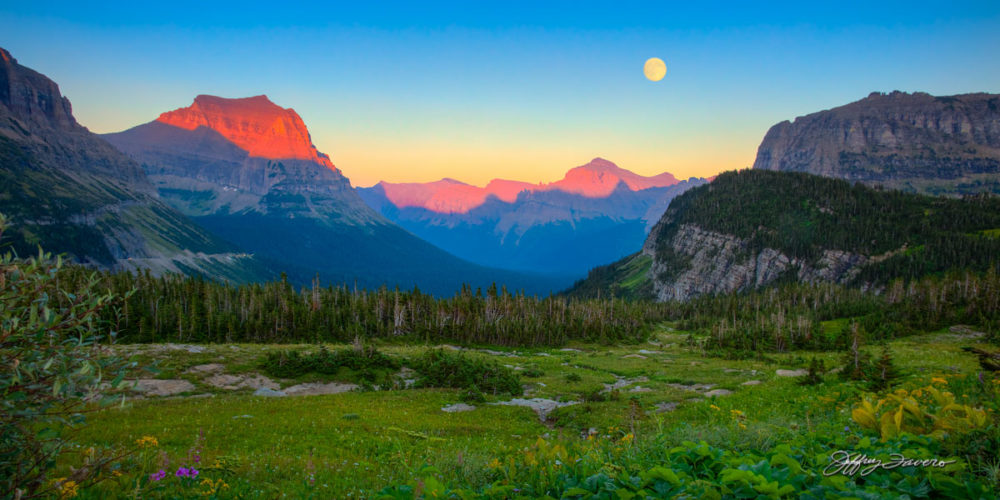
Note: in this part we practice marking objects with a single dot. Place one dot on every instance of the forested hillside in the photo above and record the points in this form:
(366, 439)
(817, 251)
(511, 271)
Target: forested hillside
(752, 228)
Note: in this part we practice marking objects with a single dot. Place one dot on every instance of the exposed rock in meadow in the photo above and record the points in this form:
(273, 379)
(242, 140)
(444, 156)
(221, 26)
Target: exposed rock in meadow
(635, 356)
(246, 381)
(693, 387)
(752, 382)
(458, 407)
(791, 373)
(157, 387)
(206, 369)
(718, 392)
(541, 406)
(316, 388)
(623, 382)
(264, 391)
(666, 407)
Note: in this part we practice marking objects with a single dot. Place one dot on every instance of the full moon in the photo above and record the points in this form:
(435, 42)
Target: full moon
(655, 69)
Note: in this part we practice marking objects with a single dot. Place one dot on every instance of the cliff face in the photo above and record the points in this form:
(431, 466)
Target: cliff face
(255, 124)
(71, 192)
(706, 262)
(230, 156)
(914, 142)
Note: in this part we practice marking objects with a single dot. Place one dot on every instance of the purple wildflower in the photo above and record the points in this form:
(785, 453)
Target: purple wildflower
(156, 476)
(847, 428)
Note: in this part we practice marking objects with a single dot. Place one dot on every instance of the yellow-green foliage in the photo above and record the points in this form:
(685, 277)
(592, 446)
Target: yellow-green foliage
(923, 411)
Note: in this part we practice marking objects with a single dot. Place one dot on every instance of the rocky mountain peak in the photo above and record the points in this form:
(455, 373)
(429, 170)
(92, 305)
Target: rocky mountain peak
(914, 142)
(255, 124)
(33, 97)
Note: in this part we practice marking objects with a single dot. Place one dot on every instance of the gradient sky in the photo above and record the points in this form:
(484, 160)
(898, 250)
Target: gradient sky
(420, 91)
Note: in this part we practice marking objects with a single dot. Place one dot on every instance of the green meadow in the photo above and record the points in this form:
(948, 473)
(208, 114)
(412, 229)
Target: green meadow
(655, 419)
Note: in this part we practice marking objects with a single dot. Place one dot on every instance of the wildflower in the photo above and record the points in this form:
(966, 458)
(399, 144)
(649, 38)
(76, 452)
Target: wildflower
(186, 472)
(147, 442)
(847, 428)
(495, 464)
(938, 380)
(743, 426)
(716, 408)
(156, 476)
(67, 489)
(116, 473)
(628, 438)
(736, 413)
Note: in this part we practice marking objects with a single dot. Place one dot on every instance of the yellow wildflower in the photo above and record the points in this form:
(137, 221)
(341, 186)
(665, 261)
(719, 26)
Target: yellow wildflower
(628, 438)
(147, 442)
(736, 413)
(938, 380)
(743, 426)
(716, 408)
(495, 464)
(67, 489)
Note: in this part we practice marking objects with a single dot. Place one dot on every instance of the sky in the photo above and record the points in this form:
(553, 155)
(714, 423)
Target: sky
(418, 91)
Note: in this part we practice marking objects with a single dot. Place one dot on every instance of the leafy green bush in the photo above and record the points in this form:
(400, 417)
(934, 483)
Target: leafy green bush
(361, 363)
(52, 358)
(441, 368)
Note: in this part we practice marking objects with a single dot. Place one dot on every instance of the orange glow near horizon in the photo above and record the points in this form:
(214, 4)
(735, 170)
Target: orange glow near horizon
(366, 161)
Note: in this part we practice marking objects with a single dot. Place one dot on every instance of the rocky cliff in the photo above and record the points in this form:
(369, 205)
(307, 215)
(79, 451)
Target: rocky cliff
(914, 142)
(69, 191)
(697, 262)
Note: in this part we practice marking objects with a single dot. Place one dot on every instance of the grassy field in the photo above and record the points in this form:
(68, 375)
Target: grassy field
(356, 444)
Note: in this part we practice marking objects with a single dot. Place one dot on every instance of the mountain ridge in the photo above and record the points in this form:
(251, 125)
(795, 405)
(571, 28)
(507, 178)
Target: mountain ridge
(914, 142)
(71, 192)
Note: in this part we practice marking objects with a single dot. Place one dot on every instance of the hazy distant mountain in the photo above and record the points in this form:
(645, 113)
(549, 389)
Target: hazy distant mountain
(596, 214)
(69, 191)
(247, 170)
(914, 142)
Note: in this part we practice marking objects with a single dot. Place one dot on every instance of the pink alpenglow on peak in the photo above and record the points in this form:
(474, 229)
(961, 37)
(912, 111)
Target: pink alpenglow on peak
(255, 124)
(597, 179)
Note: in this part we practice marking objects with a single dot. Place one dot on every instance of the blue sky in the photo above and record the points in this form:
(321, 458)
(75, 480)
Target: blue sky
(417, 91)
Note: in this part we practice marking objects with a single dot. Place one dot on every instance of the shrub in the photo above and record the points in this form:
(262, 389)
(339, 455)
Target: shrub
(533, 372)
(51, 358)
(440, 368)
(573, 377)
(815, 375)
(361, 363)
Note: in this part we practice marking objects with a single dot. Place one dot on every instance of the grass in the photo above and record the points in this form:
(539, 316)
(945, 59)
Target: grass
(353, 444)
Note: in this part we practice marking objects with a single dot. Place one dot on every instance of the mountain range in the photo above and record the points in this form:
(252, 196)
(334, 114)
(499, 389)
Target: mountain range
(595, 214)
(247, 170)
(66, 189)
(816, 208)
